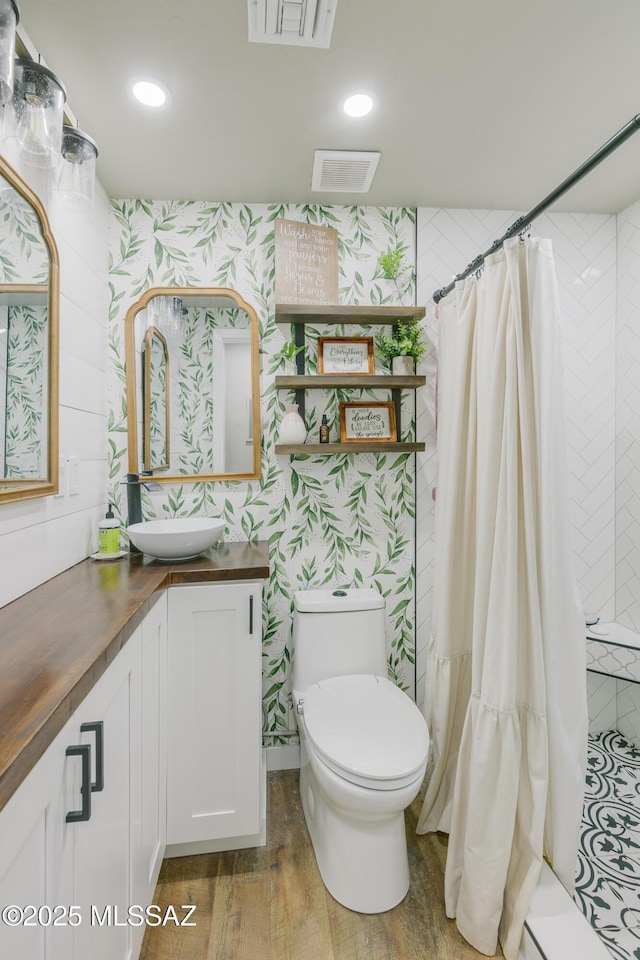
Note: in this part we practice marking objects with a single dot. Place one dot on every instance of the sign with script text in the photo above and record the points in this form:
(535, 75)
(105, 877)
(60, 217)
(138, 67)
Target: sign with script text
(306, 263)
(367, 421)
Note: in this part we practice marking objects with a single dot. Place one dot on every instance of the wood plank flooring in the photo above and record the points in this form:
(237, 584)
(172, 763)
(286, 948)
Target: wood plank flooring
(269, 903)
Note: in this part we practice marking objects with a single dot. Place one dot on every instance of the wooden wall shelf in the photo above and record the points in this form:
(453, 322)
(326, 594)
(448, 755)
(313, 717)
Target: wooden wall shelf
(361, 446)
(301, 314)
(349, 313)
(361, 381)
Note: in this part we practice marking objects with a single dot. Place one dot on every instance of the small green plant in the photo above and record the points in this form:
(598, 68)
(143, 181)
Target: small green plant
(390, 267)
(390, 263)
(289, 351)
(406, 340)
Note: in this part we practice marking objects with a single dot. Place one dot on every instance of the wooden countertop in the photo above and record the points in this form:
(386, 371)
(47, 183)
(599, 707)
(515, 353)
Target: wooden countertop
(57, 640)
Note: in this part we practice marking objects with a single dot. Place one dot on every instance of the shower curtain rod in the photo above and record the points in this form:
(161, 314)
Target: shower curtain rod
(616, 140)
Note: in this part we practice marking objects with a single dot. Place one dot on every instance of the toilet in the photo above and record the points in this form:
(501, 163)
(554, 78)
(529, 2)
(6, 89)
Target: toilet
(364, 747)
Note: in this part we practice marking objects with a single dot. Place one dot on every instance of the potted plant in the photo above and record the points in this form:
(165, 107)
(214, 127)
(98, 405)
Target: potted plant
(390, 268)
(287, 354)
(404, 348)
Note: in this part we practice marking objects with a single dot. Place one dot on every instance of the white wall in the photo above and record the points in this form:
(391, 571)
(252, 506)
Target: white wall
(585, 255)
(40, 538)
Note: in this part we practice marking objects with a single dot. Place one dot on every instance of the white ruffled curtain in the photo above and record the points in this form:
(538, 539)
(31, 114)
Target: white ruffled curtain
(506, 662)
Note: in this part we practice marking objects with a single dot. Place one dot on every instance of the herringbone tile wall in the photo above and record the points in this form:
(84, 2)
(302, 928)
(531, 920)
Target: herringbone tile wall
(585, 254)
(628, 420)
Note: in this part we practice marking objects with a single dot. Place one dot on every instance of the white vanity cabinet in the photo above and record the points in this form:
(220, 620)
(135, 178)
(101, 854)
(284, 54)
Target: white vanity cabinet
(103, 846)
(34, 870)
(86, 828)
(215, 779)
(149, 807)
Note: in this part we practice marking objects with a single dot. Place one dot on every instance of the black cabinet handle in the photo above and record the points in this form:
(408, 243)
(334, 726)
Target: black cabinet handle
(97, 728)
(250, 614)
(82, 750)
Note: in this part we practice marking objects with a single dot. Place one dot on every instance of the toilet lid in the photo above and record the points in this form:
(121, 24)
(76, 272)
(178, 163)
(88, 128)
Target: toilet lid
(367, 730)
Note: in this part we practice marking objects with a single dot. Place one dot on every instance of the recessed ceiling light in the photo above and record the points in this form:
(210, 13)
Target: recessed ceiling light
(358, 105)
(150, 94)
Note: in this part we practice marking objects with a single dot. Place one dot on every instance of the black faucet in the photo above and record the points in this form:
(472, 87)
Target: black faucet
(134, 499)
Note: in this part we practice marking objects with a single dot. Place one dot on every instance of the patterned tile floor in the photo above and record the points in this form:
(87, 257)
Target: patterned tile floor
(608, 871)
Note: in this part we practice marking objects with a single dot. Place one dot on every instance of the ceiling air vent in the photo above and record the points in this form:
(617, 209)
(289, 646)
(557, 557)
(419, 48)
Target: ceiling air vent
(307, 23)
(343, 171)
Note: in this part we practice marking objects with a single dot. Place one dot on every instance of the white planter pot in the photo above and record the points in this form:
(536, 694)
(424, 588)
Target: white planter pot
(403, 366)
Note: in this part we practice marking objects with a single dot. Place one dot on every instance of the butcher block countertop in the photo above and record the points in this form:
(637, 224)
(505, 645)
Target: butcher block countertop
(57, 640)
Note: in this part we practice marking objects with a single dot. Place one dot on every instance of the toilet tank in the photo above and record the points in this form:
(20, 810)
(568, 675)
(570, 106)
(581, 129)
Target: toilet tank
(336, 633)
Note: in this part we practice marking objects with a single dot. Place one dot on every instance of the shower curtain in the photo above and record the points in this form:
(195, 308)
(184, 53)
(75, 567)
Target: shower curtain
(506, 662)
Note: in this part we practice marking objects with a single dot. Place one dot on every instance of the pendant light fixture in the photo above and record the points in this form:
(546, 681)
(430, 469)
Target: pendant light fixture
(9, 18)
(78, 168)
(34, 121)
(166, 314)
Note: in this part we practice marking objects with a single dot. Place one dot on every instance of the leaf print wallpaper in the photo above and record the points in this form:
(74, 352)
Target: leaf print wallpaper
(23, 342)
(330, 521)
(25, 422)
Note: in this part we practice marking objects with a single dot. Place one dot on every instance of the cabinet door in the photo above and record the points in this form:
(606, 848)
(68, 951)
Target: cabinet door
(214, 711)
(149, 768)
(34, 869)
(102, 849)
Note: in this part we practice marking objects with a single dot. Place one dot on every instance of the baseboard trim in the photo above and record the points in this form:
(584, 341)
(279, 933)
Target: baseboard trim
(283, 757)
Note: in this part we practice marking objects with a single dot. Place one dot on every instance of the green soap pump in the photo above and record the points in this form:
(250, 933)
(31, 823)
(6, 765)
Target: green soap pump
(109, 535)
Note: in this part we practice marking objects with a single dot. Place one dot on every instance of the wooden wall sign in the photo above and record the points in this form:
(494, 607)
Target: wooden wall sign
(367, 421)
(345, 355)
(306, 263)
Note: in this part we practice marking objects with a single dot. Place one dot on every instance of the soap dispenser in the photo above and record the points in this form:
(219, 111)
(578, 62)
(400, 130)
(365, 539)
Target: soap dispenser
(109, 535)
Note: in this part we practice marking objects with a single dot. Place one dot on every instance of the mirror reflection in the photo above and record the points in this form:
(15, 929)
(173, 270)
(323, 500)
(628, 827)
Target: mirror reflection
(28, 343)
(156, 401)
(193, 376)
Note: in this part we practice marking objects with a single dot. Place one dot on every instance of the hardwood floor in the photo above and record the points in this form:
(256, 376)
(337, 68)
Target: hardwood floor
(269, 903)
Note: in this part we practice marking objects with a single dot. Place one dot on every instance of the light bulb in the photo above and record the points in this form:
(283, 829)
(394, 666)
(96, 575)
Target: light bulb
(33, 132)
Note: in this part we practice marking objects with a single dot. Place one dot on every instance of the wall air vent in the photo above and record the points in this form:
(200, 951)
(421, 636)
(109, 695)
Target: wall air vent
(307, 23)
(343, 171)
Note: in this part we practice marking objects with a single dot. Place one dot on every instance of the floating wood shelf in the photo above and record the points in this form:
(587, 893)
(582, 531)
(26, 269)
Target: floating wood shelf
(362, 381)
(336, 313)
(302, 314)
(360, 446)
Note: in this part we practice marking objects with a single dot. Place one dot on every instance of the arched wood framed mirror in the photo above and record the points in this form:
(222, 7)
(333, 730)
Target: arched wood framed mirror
(156, 422)
(213, 388)
(29, 304)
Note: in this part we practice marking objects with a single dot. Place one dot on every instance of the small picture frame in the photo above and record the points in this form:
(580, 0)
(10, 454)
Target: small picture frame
(365, 421)
(345, 355)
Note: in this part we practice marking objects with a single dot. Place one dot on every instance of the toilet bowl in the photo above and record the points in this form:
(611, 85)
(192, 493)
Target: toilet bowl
(364, 747)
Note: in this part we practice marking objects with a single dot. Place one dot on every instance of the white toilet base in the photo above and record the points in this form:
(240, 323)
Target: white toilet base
(361, 853)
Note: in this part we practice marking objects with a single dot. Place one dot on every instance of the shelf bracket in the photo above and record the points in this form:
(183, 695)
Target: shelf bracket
(300, 341)
(396, 396)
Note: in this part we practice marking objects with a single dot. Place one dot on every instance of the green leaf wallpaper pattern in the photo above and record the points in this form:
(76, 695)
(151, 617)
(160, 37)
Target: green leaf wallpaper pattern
(345, 520)
(26, 420)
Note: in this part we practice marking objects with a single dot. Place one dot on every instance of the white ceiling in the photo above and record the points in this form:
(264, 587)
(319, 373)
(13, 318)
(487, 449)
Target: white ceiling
(482, 103)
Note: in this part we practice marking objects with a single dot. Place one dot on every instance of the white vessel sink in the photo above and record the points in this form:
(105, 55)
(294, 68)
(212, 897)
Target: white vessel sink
(181, 538)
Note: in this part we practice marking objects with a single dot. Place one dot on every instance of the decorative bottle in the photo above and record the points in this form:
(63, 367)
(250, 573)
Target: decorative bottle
(292, 428)
(324, 430)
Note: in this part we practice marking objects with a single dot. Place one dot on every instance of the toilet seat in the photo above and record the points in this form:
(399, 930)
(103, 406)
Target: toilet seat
(366, 730)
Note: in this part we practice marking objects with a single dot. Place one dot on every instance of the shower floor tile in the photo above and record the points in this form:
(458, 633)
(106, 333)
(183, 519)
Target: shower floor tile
(608, 871)
(623, 944)
(605, 897)
(610, 828)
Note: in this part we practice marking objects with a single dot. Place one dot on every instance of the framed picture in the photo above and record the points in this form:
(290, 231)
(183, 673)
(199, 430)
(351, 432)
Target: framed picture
(367, 421)
(345, 355)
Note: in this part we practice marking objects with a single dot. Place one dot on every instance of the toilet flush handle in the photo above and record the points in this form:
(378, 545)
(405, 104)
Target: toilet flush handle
(300, 707)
